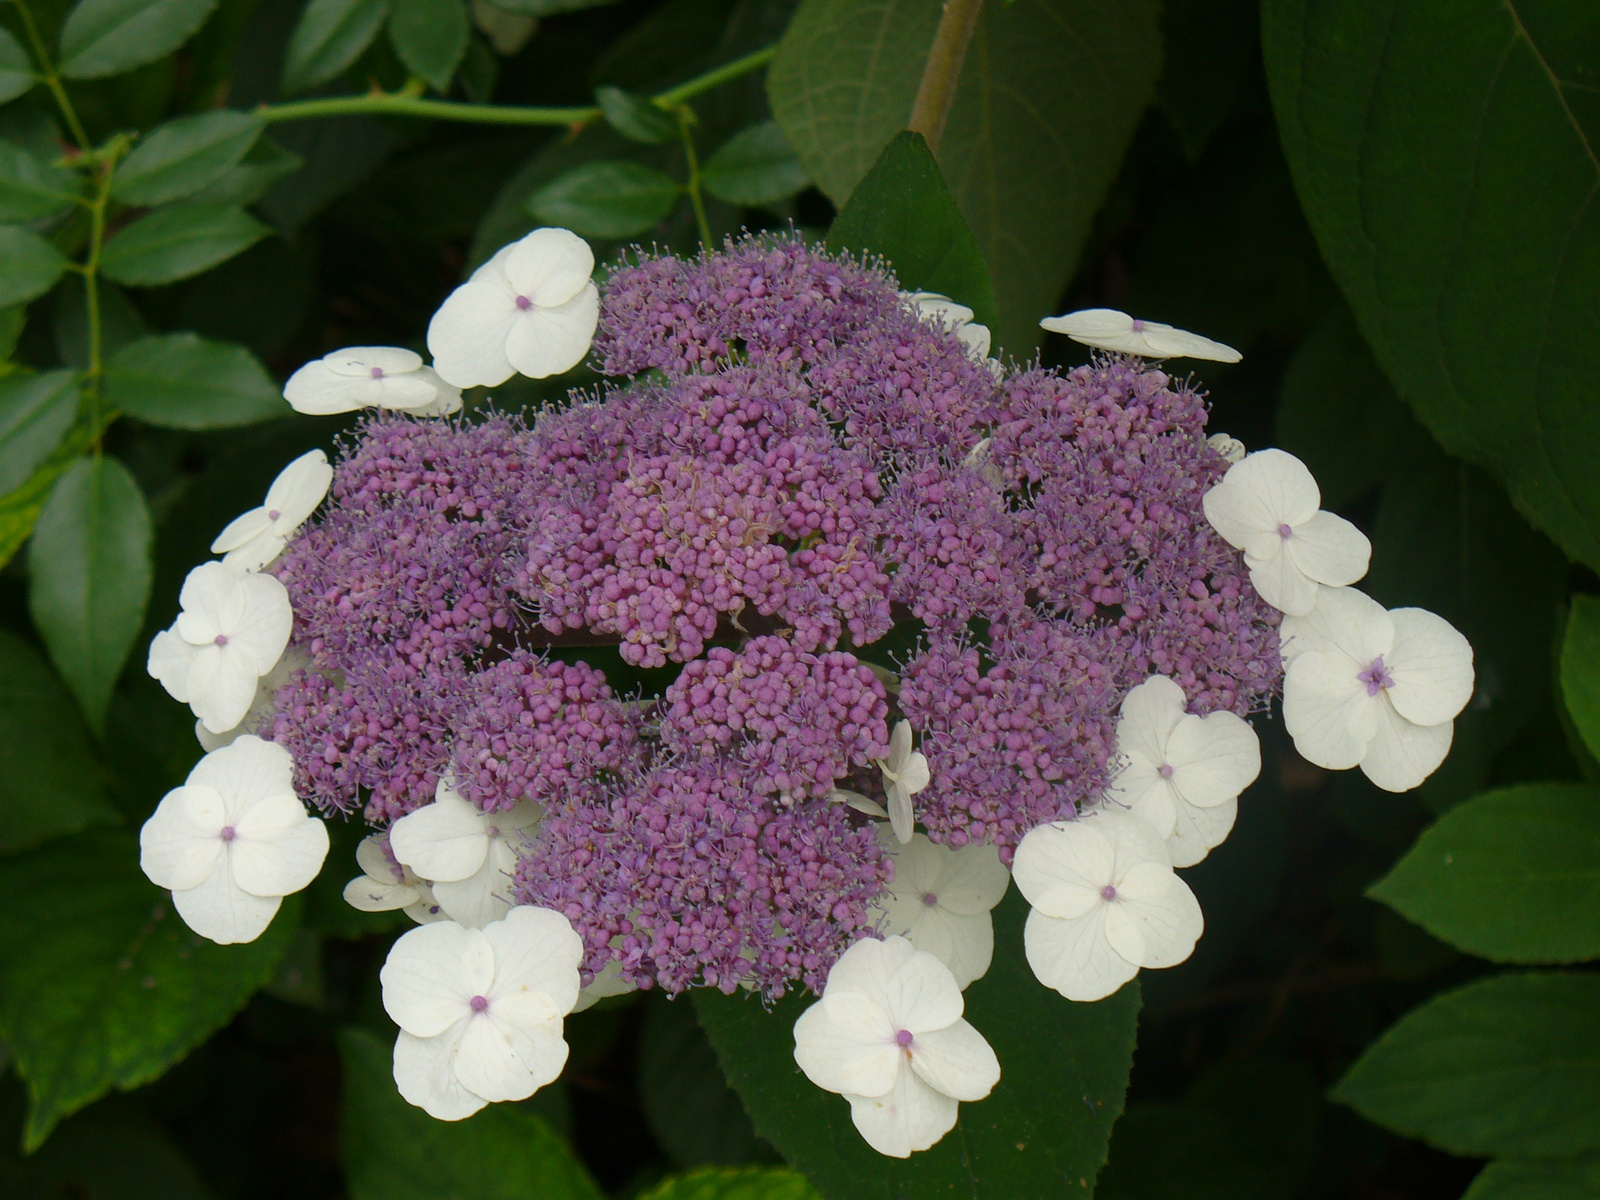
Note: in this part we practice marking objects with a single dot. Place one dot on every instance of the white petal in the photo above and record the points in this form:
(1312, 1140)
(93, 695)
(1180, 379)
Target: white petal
(609, 982)
(1149, 714)
(405, 393)
(915, 776)
(247, 770)
(376, 895)
(298, 489)
(180, 844)
(243, 528)
(484, 896)
(919, 994)
(1148, 796)
(910, 1117)
(467, 336)
(223, 911)
(1074, 956)
(1061, 867)
(1402, 755)
(861, 804)
(965, 944)
(1197, 831)
(169, 662)
(1431, 665)
(427, 908)
(277, 849)
(847, 1044)
(1258, 495)
(1213, 758)
(263, 627)
(316, 390)
(1106, 328)
(1344, 620)
(1231, 448)
(525, 815)
(213, 600)
(957, 1061)
(547, 341)
(1163, 909)
(977, 340)
(901, 818)
(442, 841)
(432, 974)
(1327, 711)
(509, 1059)
(256, 554)
(424, 1072)
(1281, 583)
(361, 361)
(972, 879)
(535, 950)
(550, 266)
(899, 747)
(942, 310)
(1166, 342)
(1330, 550)
(374, 862)
(222, 685)
(867, 966)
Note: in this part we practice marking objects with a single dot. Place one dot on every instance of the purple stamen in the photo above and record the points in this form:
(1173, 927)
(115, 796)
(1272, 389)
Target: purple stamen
(1109, 892)
(930, 899)
(273, 514)
(1138, 325)
(1164, 770)
(903, 1038)
(377, 372)
(221, 639)
(479, 1003)
(228, 833)
(1286, 531)
(524, 303)
(1376, 676)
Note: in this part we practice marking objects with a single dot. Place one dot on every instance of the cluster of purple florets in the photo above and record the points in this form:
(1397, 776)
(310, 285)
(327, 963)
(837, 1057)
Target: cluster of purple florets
(790, 469)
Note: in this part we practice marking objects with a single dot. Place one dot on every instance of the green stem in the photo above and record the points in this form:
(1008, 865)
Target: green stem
(91, 282)
(943, 70)
(405, 104)
(696, 199)
(51, 80)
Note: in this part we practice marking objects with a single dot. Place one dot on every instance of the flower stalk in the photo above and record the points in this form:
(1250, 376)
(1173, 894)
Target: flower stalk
(939, 78)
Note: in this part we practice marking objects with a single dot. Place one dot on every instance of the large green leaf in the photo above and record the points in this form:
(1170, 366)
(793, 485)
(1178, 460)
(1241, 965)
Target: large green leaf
(89, 577)
(430, 36)
(691, 1110)
(105, 37)
(609, 199)
(175, 243)
(31, 187)
(1505, 1066)
(185, 155)
(101, 984)
(903, 211)
(1042, 1132)
(723, 1183)
(1049, 96)
(29, 265)
(1576, 1179)
(35, 413)
(393, 1151)
(185, 382)
(1580, 669)
(1513, 876)
(1456, 209)
(330, 36)
(16, 69)
(20, 509)
(50, 783)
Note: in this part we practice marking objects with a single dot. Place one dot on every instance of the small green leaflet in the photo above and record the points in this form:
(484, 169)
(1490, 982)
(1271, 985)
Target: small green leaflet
(106, 37)
(756, 166)
(610, 199)
(183, 381)
(175, 243)
(185, 155)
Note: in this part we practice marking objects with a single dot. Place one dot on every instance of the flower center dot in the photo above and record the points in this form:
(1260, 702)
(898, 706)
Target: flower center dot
(377, 372)
(221, 639)
(524, 303)
(1164, 770)
(1138, 326)
(1109, 892)
(228, 833)
(903, 1038)
(1286, 531)
(1376, 676)
(930, 899)
(479, 1003)
(273, 514)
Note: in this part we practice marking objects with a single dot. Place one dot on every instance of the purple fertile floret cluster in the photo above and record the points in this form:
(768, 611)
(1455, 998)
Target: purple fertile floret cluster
(787, 465)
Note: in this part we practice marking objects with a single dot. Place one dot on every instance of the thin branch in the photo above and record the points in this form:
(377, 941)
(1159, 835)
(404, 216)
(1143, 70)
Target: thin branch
(943, 72)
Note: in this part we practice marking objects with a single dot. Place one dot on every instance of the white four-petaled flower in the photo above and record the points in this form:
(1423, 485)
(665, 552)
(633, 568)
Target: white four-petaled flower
(1375, 689)
(1268, 506)
(371, 377)
(1105, 903)
(940, 900)
(480, 1010)
(1109, 329)
(905, 773)
(253, 539)
(233, 841)
(1182, 773)
(531, 308)
(385, 885)
(467, 856)
(888, 1035)
(231, 632)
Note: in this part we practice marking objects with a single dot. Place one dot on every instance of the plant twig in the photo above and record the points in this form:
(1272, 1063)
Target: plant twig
(940, 76)
(696, 199)
(49, 77)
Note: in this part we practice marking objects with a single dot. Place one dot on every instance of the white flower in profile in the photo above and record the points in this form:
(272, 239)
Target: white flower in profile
(233, 841)
(384, 885)
(1105, 903)
(1375, 689)
(940, 900)
(1268, 506)
(905, 773)
(531, 308)
(1231, 448)
(1182, 773)
(465, 855)
(253, 539)
(480, 1010)
(888, 1036)
(231, 632)
(1108, 329)
(388, 377)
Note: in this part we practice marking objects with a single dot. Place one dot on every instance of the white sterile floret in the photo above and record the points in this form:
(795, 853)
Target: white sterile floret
(1375, 689)
(253, 539)
(467, 856)
(1231, 448)
(1182, 773)
(480, 1010)
(1268, 506)
(889, 1037)
(385, 885)
(231, 632)
(1109, 329)
(940, 900)
(957, 319)
(1105, 903)
(905, 773)
(371, 377)
(233, 841)
(531, 308)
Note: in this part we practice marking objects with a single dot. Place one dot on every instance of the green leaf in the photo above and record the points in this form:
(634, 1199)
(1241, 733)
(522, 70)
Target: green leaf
(636, 118)
(89, 577)
(49, 784)
(29, 265)
(35, 413)
(1576, 1179)
(549, 8)
(1049, 97)
(19, 510)
(691, 1110)
(330, 36)
(430, 36)
(31, 187)
(610, 199)
(16, 69)
(101, 984)
(393, 1151)
(1456, 210)
(175, 243)
(182, 381)
(1513, 876)
(1505, 1066)
(185, 155)
(1580, 669)
(106, 37)
(903, 211)
(253, 178)
(756, 166)
(120, 322)
(739, 1183)
(1064, 1070)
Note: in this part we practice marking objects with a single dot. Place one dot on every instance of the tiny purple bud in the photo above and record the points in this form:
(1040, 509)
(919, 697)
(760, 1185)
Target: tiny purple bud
(524, 303)
(377, 372)
(221, 639)
(479, 1003)
(930, 899)
(1286, 531)
(903, 1038)
(1109, 892)
(228, 833)
(1165, 770)
(1376, 676)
